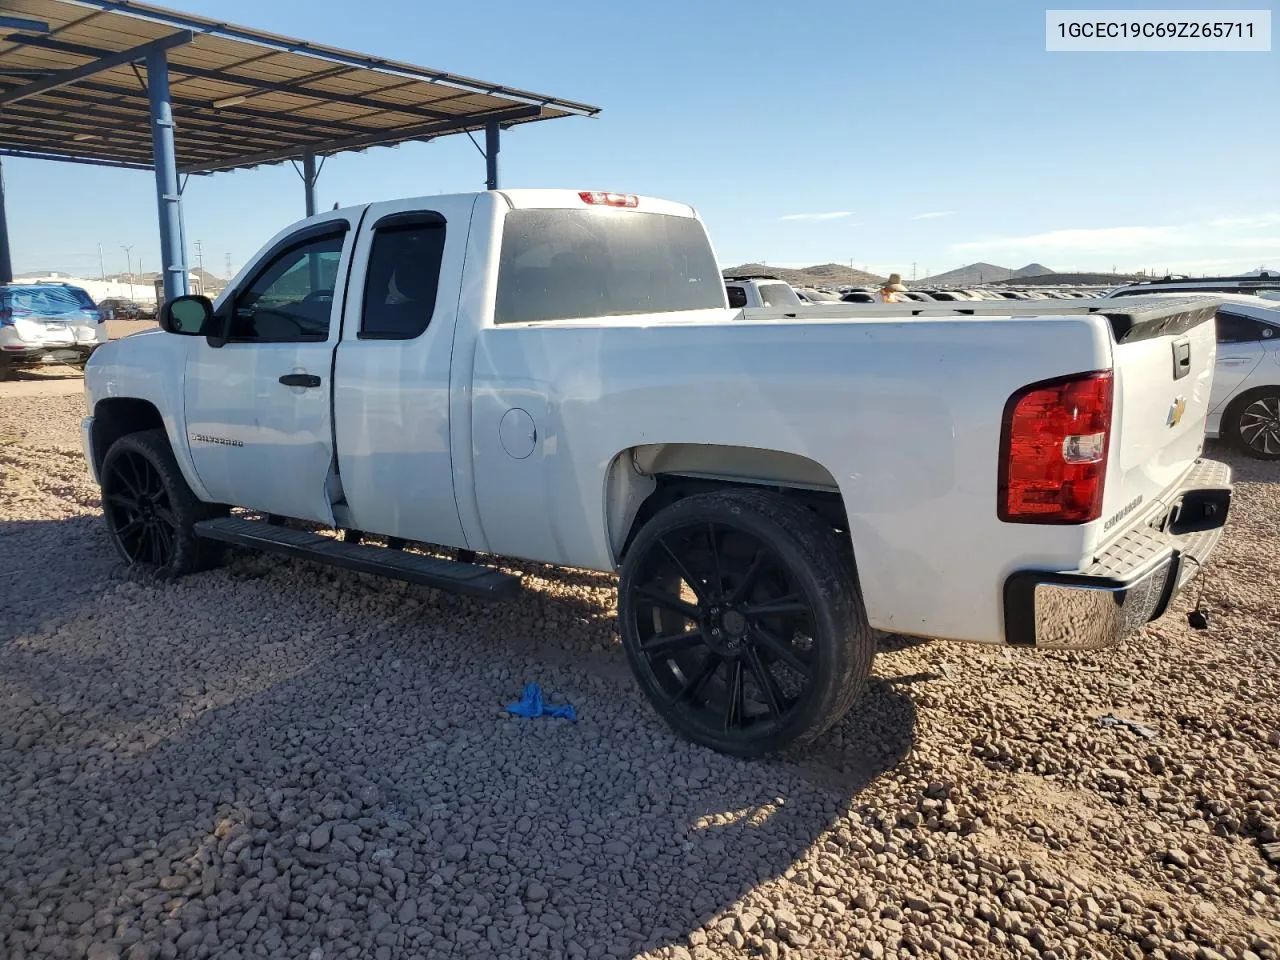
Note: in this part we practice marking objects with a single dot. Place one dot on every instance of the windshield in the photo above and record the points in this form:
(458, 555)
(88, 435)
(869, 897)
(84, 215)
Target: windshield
(778, 295)
(572, 264)
(48, 301)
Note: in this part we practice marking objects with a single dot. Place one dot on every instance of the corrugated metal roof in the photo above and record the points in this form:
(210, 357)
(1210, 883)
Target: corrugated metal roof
(240, 97)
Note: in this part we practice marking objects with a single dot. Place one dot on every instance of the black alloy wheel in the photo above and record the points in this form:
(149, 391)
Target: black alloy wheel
(742, 621)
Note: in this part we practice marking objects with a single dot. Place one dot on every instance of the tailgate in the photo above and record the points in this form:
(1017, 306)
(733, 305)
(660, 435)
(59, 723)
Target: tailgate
(1163, 358)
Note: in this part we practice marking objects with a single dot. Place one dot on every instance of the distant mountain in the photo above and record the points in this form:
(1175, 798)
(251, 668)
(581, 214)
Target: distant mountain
(972, 275)
(1032, 270)
(821, 275)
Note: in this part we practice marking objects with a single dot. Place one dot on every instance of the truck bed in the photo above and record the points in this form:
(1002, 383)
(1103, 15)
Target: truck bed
(1132, 318)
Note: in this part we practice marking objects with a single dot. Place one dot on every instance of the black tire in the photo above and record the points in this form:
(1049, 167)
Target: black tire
(150, 511)
(779, 630)
(1252, 424)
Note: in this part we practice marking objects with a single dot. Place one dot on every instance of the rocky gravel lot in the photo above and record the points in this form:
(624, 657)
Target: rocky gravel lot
(277, 760)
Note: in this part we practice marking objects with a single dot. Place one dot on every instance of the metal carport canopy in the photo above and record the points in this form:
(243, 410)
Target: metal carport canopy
(119, 83)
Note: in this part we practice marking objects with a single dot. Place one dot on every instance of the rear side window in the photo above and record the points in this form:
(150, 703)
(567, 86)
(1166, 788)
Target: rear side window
(778, 295)
(737, 297)
(404, 275)
(1234, 328)
(572, 264)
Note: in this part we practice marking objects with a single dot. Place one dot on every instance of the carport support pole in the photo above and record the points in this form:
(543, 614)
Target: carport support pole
(492, 133)
(173, 255)
(6, 261)
(309, 181)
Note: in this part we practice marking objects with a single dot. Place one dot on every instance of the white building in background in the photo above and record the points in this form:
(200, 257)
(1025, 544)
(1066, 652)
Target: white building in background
(142, 290)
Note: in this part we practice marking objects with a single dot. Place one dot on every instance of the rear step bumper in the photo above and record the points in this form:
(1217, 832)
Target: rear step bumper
(1131, 582)
(464, 578)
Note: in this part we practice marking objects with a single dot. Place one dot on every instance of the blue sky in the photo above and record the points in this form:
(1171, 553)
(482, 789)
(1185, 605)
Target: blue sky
(932, 134)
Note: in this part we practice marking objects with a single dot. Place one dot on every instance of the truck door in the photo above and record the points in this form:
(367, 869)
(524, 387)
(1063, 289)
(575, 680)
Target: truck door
(391, 397)
(259, 408)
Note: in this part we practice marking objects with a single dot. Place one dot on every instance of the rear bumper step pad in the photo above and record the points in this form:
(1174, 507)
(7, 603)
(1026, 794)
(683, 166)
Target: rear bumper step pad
(465, 578)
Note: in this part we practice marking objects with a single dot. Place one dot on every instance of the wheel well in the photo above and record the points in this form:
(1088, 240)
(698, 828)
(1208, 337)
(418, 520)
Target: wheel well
(671, 488)
(1233, 408)
(115, 417)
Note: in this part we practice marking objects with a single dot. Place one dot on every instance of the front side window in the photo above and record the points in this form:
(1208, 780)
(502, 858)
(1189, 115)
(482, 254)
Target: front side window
(404, 272)
(570, 264)
(291, 297)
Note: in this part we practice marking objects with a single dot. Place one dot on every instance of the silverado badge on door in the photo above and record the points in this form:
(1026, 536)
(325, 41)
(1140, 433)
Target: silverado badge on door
(1176, 410)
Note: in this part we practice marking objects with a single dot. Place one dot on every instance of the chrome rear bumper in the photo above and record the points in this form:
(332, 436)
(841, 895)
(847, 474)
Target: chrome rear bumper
(1131, 582)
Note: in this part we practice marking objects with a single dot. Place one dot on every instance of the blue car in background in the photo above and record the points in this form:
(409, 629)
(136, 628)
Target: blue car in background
(47, 323)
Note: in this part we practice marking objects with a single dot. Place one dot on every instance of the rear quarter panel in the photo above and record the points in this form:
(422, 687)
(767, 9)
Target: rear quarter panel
(905, 416)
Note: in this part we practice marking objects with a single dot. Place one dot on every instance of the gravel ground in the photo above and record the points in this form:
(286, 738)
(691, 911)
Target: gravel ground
(278, 760)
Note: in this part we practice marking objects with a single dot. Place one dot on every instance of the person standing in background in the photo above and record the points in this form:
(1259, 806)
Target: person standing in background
(892, 287)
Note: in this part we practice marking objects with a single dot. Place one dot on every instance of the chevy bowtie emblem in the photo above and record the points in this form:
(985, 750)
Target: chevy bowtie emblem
(1176, 410)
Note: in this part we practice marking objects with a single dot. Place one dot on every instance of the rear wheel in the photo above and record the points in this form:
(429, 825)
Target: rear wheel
(742, 621)
(1253, 424)
(150, 510)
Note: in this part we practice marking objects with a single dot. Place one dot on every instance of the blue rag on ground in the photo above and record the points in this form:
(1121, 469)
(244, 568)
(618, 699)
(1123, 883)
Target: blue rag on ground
(531, 705)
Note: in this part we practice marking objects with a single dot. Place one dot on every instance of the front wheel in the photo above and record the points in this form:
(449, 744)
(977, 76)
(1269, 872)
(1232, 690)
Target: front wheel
(150, 510)
(741, 618)
(1253, 425)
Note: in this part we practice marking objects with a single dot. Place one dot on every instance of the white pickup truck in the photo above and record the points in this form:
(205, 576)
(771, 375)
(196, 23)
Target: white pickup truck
(558, 376)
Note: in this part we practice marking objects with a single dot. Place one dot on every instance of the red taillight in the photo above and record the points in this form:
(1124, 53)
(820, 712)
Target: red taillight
(1053, 450)
(609, 199)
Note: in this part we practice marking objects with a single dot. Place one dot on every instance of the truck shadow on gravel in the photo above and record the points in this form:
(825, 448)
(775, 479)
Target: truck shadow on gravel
(285, 758)
(51, 570)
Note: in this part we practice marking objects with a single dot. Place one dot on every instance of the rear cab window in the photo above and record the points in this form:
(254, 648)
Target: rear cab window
(737, 296)
(570, 264)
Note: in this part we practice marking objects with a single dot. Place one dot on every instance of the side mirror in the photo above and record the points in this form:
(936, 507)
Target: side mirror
(188, 316)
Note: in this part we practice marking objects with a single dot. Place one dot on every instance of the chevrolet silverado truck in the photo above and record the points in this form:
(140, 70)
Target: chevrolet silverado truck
(421, 387)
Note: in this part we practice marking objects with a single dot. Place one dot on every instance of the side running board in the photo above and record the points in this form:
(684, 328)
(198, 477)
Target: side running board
(465, 578)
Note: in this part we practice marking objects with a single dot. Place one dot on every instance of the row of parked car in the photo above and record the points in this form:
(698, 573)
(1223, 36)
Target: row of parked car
(931, 294)
(1244, 404)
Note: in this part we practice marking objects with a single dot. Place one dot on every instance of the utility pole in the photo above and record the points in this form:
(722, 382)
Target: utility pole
(102, 270)
(200, 256)
(228, 265)
(128, 263)
(913, 271)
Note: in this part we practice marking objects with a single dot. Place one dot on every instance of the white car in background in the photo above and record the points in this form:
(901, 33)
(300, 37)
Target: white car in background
(1244, 408)
(760, 290)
